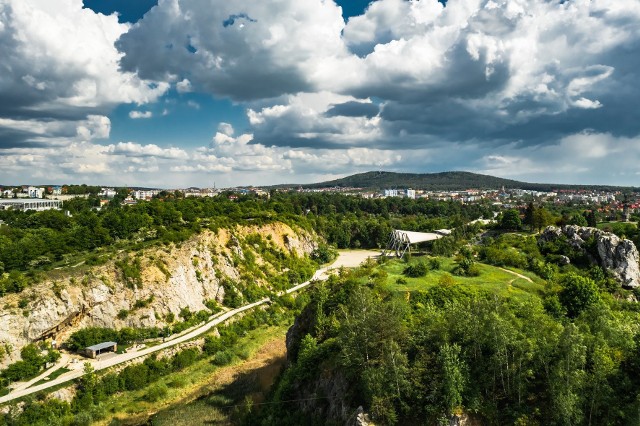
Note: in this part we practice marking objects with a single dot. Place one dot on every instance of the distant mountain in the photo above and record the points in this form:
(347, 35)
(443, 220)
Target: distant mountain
(445, 181)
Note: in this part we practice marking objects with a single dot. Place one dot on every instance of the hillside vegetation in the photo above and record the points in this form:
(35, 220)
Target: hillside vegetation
(451, 348)
(444, 181)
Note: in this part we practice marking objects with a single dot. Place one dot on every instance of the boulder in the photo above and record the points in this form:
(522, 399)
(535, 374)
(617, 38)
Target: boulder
(618, 256)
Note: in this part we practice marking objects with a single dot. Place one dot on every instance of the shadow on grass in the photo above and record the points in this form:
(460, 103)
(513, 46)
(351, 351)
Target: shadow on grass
(231, 404)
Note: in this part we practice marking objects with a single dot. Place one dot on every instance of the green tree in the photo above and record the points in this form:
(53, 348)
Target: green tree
(453, 377)
(510, 220)
(578, 219)
(542, 218)
(529, 216)
(578, 293)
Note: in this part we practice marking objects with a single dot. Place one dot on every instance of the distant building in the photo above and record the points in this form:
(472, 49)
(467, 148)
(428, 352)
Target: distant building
(35, 192)
(390, 193)
(108, 192)
(56, 190)
(411, 193)
(145, 195)
(24, 204)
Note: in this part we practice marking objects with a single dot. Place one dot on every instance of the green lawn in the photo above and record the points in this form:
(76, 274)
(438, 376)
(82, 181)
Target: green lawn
(491, 278)
(52, 376)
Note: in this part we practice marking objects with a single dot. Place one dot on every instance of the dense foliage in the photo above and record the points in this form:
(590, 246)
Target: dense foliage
(35, 241)
(421, 358)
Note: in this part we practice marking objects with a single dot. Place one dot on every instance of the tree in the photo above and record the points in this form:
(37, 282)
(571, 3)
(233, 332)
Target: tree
(578, 219)
(453, 377)
(511, 220)
(578, 293)
(542, 218)
(529, 216)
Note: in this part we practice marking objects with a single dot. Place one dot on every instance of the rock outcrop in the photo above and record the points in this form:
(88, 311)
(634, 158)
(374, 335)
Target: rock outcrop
(171, 278)
(618, 256)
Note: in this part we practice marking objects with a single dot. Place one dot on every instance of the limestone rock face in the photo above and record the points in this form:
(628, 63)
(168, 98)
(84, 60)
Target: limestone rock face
(618, 256)
(172, 278)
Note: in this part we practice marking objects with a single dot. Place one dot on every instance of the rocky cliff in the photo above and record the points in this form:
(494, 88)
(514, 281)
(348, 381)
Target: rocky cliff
(160, 280)
(616, 255)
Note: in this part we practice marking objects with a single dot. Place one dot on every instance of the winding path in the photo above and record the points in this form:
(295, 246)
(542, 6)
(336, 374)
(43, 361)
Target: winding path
(517, 275)
(345, 259)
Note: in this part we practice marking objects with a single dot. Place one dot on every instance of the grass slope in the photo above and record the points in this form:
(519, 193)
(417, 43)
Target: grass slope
(491, 278)
(201, 393)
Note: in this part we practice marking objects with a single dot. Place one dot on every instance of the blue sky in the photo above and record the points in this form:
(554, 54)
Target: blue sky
(132, 11)
(176, 93)
(192, 111)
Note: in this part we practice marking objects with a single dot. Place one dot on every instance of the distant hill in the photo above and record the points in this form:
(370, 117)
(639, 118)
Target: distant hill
(445, 181)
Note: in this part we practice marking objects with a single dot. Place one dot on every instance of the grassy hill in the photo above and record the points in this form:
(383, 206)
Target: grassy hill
(445, 181)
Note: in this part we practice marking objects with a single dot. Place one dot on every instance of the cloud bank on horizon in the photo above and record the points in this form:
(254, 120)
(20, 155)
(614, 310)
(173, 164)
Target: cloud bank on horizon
(526, 89)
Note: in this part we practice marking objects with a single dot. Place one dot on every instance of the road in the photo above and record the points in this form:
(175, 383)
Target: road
(345, 259)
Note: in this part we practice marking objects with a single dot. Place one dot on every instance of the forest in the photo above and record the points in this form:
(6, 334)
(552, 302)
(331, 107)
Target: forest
(565, 356)
(32, 243)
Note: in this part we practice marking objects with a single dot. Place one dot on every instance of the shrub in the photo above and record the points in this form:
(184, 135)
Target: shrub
(178, 382)
(446, 281)
(222, 358)
(466, 268)
(232, 298)
(324, 254)
(435, 264)
(123, 314)
(156, 392)
(184, 358)
(131, 272)
(416, 270)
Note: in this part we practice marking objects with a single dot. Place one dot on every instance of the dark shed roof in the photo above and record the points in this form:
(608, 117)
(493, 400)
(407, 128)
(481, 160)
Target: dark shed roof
(100, 346)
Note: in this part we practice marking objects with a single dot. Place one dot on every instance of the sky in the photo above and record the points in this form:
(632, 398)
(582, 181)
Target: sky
(177, 93)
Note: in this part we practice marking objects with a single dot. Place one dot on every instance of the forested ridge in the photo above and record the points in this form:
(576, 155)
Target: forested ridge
(444, 181)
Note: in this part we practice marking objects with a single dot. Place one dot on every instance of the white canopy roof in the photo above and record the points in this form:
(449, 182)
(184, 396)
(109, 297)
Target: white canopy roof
(417, 237)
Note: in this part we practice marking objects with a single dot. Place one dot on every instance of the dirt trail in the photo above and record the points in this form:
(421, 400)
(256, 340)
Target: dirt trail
(517, 275)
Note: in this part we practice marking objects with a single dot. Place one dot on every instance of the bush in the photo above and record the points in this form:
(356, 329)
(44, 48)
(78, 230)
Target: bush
(466, 268)
(222, 358)
(232, 298)
(123, 314)
(130, 272)
(324, 254)
(435, 264)
(156, 392)
(179, 382)
(416, 270)
(184, 358)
